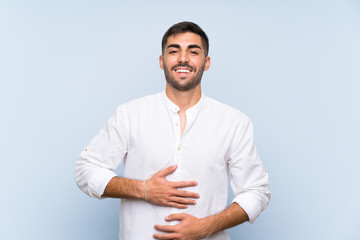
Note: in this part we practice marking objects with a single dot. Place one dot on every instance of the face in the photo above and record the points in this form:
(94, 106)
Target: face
(184, 61)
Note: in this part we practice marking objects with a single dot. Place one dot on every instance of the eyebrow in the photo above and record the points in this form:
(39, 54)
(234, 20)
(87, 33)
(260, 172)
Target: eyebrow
(178, 46)
(194, 46)
(173, 45)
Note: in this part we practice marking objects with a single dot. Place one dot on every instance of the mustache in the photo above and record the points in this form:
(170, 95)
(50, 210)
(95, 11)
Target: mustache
(182, 65)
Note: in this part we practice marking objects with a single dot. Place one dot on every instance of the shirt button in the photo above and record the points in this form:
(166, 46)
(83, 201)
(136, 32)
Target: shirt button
(176, 124)
(179, 148)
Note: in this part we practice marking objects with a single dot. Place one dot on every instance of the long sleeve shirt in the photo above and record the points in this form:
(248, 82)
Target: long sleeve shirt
(144, 134)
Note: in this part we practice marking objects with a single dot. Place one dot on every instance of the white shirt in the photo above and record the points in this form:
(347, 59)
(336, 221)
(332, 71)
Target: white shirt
(145, 135)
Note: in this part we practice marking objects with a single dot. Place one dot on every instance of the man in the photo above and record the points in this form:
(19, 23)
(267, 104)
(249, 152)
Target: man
(178, 148)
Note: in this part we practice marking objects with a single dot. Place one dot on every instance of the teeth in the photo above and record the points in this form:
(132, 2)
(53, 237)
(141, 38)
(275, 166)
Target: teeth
(183, 70)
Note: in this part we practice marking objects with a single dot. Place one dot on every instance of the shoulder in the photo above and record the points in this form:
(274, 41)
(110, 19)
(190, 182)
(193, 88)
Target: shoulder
(218, 108)
(141, 103)
(145, 100)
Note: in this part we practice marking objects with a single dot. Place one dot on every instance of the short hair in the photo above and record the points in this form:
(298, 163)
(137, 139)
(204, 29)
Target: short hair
(183, 27)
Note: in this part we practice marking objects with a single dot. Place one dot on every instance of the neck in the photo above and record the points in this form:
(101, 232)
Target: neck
(184, 99)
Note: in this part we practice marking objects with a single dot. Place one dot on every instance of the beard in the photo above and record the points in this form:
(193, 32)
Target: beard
(184, 85)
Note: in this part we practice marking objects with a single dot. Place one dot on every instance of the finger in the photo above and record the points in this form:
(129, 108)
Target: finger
(165, 228)
(175, 216)
(184, 184)
(182, 200)
(186, 194)
(167, 171)
(177, 205)
(166, 236)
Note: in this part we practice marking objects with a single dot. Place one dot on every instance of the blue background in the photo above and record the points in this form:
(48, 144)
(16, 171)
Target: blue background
(292, 66)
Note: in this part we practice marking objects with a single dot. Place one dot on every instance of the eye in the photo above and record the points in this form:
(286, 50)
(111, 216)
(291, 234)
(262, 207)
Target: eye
(173, 51)
(194, 52)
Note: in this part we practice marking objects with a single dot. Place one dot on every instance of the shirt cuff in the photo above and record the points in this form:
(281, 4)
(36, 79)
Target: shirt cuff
(250, 205)
(98, 182)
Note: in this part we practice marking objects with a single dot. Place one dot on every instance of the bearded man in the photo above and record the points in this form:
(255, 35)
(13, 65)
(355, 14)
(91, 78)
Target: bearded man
(179, 149)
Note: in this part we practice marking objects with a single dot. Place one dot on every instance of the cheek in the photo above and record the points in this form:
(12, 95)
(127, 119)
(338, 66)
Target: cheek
(200, 65)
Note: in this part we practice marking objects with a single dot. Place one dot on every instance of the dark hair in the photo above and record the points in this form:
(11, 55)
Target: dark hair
(183, 27)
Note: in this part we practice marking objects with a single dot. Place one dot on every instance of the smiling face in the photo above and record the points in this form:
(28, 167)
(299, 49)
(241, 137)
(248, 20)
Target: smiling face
(184, 61)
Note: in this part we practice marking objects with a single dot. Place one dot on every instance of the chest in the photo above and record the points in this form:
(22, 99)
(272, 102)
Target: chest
(160, 142)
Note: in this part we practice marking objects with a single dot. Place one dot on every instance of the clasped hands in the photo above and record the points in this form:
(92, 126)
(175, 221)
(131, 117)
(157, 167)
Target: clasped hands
(160, 191)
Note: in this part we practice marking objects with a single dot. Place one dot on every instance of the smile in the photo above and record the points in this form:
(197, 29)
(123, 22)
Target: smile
(183, 70)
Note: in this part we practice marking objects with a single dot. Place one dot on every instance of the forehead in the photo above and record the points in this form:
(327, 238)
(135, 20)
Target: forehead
(184, 39)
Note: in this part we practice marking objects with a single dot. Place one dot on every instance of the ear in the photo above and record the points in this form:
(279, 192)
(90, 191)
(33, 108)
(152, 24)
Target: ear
(161, 61)
(207, 63)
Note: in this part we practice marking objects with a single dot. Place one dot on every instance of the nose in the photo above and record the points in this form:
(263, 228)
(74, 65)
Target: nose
(183, 57)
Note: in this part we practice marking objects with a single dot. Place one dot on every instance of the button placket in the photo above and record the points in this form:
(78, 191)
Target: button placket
(177, 147)
(177, 154)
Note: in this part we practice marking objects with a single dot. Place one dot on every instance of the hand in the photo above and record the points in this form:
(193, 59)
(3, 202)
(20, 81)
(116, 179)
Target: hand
(162, 192)
(189, 228)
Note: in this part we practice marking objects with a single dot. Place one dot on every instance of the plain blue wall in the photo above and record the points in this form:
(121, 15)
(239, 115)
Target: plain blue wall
(292, 66)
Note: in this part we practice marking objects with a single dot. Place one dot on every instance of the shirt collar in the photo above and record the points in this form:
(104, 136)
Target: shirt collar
(174, 108)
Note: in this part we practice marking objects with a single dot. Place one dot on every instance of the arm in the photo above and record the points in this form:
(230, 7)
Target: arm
(106, 152)
(248, 179)
(230, 217)
(158, 190)
(191, 227)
